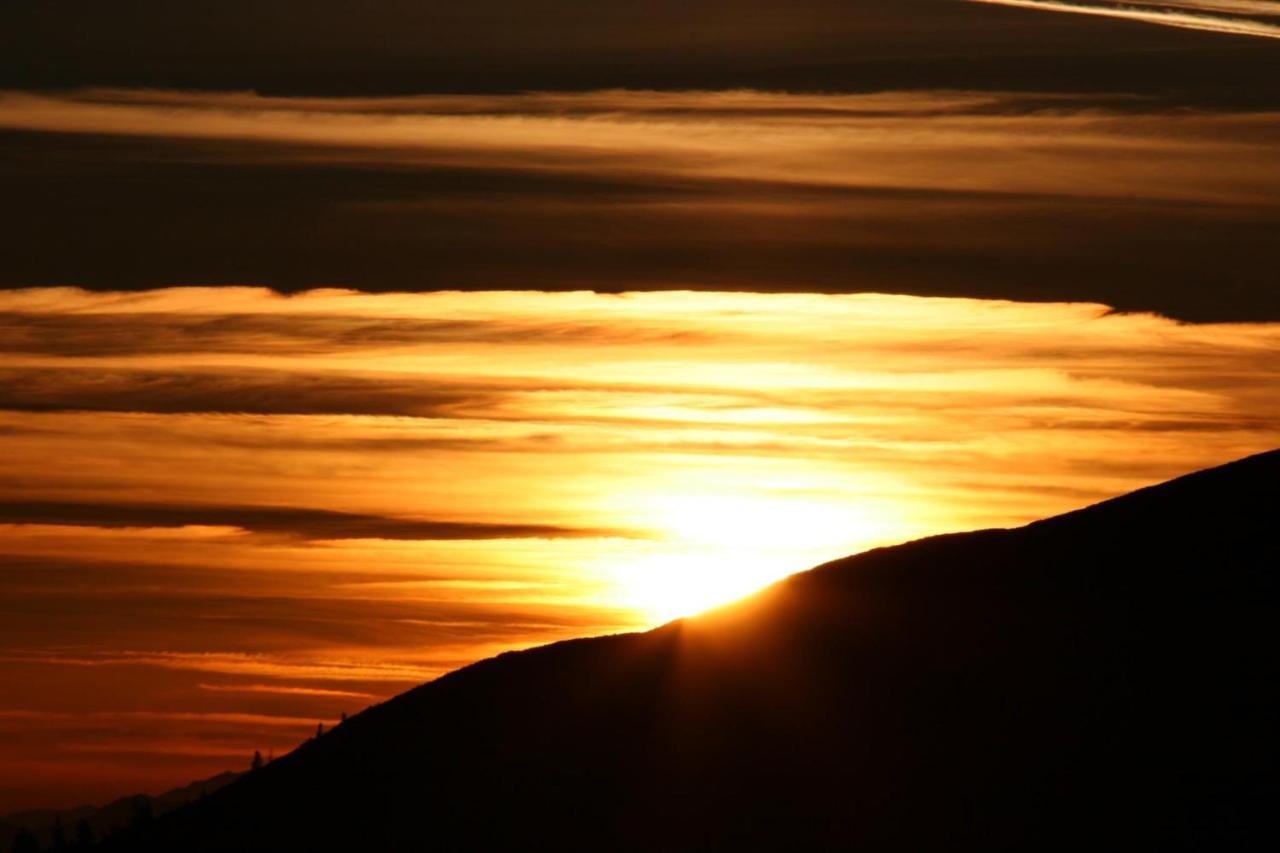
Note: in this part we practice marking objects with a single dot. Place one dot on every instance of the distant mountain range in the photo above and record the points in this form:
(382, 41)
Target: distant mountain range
(1102, 680)
(105, 820)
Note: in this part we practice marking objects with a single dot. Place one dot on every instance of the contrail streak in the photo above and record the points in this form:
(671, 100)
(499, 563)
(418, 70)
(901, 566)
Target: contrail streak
(1268, 8)
(1183, 20)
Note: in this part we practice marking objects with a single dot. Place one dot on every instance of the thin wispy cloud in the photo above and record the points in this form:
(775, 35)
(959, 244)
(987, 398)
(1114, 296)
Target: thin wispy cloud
(804, 141)
(1265, 8)
(1197, 15)
(284, 690)
(301, 522)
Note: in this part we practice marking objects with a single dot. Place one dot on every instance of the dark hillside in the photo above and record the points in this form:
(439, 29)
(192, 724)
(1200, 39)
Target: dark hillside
(1101, 680)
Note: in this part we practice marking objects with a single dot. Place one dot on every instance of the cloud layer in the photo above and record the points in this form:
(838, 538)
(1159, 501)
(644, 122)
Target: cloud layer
(1112, 199)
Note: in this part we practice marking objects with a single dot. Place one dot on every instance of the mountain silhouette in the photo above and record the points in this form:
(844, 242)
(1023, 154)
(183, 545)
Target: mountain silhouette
(114, 817)
(1102, 680)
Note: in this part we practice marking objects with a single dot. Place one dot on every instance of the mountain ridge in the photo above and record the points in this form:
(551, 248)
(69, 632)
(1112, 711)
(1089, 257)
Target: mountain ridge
(1104, 674)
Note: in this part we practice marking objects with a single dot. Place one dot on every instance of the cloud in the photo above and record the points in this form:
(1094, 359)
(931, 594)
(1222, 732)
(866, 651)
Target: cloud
(1129, 201)
(304, 523)
(248, 392)
(105, 334)
(1265, 8)
(705, 138)
(1167, 15)
(284, 690)
(239, 664)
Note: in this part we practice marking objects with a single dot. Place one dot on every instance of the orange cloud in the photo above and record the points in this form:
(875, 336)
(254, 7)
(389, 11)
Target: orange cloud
(940, 141)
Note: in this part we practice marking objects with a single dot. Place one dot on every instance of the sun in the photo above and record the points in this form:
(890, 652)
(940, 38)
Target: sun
(667, 585)
(716, 548)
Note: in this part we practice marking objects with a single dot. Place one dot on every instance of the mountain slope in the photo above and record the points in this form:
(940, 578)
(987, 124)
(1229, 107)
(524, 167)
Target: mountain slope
(1102, 680)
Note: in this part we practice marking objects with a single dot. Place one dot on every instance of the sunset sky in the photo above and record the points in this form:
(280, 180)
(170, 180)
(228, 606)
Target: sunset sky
(336, 355)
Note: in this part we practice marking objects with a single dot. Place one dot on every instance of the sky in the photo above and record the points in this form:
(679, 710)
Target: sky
(342, 345)
(417, 46)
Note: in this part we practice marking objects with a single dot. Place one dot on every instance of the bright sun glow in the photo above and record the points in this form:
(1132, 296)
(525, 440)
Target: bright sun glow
(718, 548)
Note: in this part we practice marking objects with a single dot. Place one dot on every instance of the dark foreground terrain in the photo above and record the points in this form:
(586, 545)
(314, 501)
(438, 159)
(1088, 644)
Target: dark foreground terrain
(1104, 680)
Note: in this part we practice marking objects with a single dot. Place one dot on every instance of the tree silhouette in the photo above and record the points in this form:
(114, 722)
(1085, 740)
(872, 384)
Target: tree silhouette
(84, 834)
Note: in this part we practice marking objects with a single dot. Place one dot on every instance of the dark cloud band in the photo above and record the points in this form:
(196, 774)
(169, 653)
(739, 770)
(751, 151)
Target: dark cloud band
(1114, 199)
(304, 523)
